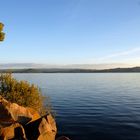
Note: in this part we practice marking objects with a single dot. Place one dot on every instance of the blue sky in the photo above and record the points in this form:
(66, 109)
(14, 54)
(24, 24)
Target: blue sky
(70, 31)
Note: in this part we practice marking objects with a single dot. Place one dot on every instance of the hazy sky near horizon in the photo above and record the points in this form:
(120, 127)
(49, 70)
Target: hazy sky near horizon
(70, 31)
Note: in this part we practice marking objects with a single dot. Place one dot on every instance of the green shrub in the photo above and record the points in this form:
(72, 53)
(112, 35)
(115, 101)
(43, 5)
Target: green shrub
(22, 93)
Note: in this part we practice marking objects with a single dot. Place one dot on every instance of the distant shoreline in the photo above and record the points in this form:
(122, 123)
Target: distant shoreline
(60, 70)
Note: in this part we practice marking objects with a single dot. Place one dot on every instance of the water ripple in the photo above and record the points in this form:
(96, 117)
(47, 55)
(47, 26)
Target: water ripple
(93, 106)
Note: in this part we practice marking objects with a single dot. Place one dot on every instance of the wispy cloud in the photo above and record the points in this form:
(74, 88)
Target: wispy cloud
(120, 54)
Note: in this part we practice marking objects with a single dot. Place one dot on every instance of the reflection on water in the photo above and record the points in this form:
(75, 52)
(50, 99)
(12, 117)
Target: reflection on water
(93, 106)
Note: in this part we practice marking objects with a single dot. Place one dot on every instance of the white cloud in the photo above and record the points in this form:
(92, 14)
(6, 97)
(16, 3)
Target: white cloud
(121, 54)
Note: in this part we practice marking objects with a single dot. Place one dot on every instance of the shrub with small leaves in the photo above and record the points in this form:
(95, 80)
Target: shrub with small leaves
(22, 93)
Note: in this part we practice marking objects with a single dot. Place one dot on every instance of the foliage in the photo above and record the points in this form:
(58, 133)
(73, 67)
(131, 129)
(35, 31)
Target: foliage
(22, 93)
(1, 33)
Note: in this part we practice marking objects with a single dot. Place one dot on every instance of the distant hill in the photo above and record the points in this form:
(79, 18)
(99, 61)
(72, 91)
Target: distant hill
(60, 70)
(64, 66)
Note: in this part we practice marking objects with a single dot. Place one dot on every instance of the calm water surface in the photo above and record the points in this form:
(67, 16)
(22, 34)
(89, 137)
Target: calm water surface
(93, 106)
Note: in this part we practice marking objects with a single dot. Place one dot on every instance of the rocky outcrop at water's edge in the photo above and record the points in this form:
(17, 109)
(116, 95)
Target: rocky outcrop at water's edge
(24, 123)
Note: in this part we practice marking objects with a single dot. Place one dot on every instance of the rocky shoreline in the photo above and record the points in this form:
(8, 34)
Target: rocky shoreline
(24, 123)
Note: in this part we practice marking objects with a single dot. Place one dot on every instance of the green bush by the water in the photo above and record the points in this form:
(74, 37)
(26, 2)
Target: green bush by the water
(22, 93)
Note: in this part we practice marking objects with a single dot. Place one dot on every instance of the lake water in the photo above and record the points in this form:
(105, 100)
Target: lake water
(93, 106)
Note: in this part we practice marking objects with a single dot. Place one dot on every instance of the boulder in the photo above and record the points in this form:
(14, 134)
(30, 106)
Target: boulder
(12, 112)
(5, 116)
(42, 129)
(14, 131)
(47, 128)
